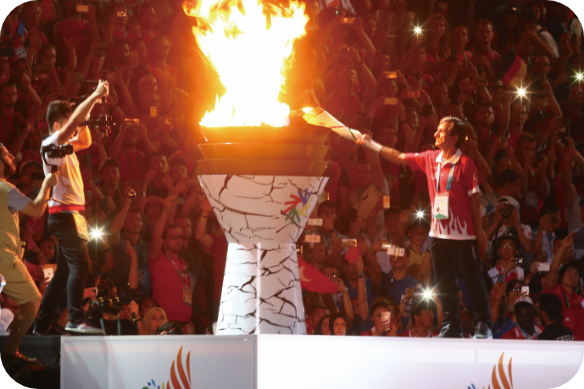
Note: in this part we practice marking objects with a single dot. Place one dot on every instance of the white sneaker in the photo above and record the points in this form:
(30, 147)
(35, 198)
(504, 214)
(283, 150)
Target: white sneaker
(83, 328)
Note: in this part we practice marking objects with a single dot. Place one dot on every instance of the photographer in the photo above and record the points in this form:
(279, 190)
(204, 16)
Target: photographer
(65, 221)
(19, 285)
(507, 223)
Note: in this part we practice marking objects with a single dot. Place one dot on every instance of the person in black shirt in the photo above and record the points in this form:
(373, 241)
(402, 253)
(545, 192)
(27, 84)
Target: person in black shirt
(550, 313)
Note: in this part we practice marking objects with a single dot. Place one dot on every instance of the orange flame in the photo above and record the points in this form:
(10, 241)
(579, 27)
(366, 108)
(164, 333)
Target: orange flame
(249, 43)
(186, 383)
(507, 384)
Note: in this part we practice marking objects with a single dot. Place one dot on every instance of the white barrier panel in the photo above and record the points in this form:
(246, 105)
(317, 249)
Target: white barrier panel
(154, 362)
(285, 361)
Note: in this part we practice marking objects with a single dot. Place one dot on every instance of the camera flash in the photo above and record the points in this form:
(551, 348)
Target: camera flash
(521, 92)
(420, 214)
(428, 294)
(418, 30)
(579, 76)
(96, 233)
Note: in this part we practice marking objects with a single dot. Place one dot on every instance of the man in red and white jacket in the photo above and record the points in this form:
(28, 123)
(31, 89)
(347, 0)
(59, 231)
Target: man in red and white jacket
(456, 233)
(526, 328)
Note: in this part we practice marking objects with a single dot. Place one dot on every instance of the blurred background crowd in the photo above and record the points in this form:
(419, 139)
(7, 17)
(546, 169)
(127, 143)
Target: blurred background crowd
(511, 70)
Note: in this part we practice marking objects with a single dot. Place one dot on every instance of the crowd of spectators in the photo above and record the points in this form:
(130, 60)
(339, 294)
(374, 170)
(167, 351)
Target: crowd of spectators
(509, 69)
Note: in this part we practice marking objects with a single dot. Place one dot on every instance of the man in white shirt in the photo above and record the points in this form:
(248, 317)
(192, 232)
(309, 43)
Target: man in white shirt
(18, 285)
(65, 221)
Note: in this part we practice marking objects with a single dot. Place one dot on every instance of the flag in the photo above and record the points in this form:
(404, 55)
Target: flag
(353, 254)
(313, 280)
(513, 70)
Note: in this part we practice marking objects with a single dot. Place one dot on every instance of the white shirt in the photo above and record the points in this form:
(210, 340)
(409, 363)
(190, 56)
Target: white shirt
(69, 189)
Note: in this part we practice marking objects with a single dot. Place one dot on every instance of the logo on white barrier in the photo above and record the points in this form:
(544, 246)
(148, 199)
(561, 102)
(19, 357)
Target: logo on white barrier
(505, 380)
(180, 375)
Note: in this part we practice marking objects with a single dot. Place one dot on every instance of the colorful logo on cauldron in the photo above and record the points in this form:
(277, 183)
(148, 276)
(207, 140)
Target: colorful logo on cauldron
(293, 213)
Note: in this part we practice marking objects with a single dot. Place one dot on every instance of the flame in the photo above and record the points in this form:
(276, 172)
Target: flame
(249, 43)
(186, 382)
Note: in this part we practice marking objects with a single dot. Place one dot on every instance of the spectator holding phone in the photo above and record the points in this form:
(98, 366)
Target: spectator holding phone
(507, 222)
(563, 280)
(544, 238)
(384, 315)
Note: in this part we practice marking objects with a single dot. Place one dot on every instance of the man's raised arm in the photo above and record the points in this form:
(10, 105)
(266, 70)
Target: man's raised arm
(388, 153)
(81, 112)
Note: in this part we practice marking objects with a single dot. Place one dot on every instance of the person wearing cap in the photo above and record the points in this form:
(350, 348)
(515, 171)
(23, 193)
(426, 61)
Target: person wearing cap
(508, 183)
(20, 286)
(526, 329)
(456, 230)
(506, 269)
(502, 300)
(509, 225)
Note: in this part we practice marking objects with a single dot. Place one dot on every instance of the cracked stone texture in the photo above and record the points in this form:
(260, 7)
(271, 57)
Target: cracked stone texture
(249, 208)
(261, 288)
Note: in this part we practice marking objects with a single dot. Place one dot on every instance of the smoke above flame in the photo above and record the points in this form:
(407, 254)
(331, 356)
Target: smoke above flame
(249, 43)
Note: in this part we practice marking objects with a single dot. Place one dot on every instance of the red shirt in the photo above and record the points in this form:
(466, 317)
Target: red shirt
(517, 334)
(74, 28)
(132, 165)
(16, 125)
(465, 182)
(574, 320)
(486, 139)
(167, 286)
(567, 300)
(464, 57)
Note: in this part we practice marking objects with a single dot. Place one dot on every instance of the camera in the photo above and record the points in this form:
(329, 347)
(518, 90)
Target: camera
(102, 123)
(507, 211)
(54, 151)
(107, 301)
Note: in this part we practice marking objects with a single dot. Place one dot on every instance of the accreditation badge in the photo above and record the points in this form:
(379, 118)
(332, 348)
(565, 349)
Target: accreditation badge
(531, 199)
(440, 211)
(81, 226)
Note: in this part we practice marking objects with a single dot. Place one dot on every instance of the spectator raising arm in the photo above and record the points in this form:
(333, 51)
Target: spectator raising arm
(552, 278)
(157, 231)
(347, 305)
(201, 229)
(133, 277)
(118, 222)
